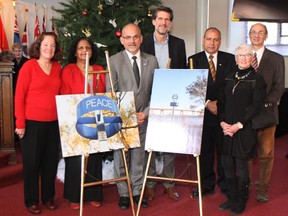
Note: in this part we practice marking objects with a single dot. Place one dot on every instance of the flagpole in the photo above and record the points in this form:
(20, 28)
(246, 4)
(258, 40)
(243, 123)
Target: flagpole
(86, 73)
(44, 18)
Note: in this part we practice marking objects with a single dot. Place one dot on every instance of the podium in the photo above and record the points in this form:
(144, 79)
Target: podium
(7, 110)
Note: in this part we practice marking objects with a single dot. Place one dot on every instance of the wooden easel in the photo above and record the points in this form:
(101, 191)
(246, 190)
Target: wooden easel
(198, 181)
(85, 157)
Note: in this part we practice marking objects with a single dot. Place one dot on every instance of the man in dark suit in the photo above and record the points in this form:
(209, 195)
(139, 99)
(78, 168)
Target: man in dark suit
(272, 67)
(124, 80)
(170, 52)
(224, 63)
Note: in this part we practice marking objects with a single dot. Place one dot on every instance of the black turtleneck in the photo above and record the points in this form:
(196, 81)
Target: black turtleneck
(243, 72)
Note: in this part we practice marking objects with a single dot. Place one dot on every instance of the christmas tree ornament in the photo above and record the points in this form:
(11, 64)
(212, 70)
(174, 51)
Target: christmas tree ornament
(109, 2)
(136, 22)
(113, 22)
(100, 8)
(118, 33)
(87, 32)
(84, 12)
(149, 14)
(99, 45)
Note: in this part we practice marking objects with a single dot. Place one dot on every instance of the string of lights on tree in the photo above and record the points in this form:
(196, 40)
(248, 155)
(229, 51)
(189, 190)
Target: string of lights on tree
(102, 21)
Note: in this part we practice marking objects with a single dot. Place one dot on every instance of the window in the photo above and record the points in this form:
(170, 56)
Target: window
(277, 33)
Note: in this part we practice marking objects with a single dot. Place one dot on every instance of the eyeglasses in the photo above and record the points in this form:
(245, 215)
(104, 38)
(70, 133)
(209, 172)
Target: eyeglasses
(244, 55)
(261, 33)
(135, 37)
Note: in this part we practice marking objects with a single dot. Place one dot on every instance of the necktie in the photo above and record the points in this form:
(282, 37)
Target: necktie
(254, 62)
(212, 67)
(136, 70)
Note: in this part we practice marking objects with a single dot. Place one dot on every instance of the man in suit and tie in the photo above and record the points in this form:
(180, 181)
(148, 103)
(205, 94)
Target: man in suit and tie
(221, 65)
(124, 79)
(164, 46)
(272, 67)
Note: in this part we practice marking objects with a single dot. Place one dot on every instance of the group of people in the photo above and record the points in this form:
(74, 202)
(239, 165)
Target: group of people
(240, 91)
(236, 92)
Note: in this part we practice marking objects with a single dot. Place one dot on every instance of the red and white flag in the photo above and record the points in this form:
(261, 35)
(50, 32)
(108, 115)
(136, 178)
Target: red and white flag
(44, 23)
(36, 28)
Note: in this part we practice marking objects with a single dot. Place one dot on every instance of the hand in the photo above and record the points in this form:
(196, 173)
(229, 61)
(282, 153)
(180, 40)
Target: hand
(228, 129)
(141, 117)
(212, 107)
(20, 132)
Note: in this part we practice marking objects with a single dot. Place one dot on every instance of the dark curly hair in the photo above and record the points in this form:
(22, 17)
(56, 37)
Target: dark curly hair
(73, 48)
(34, 49)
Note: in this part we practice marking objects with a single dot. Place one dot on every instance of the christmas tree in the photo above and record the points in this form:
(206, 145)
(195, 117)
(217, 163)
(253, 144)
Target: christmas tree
(102, 21)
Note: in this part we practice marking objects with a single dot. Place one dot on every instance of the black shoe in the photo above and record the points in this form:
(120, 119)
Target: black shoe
(124, 203)
(204, 192)
(144, 201)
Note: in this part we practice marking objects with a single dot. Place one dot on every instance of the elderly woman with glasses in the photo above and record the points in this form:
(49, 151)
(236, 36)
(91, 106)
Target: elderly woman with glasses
(240, 99)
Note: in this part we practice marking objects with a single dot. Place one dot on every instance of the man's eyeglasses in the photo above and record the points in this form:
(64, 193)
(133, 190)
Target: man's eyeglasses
(261, 33)
(135, 37)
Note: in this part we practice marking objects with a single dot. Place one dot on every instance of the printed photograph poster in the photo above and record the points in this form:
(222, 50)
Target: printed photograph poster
(91, 123)
(177, 110)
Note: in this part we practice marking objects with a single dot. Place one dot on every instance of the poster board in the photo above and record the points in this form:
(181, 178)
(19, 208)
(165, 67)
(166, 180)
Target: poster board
(177, 111)
(91, 123)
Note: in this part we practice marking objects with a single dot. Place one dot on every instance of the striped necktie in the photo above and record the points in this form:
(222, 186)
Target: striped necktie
(212, 67)
(254, 62)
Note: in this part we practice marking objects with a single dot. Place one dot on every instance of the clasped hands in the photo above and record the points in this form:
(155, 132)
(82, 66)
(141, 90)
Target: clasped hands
(229, 129)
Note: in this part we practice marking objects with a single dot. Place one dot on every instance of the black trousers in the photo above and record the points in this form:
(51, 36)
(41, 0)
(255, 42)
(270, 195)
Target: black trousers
(234, 165)
(72, 185)
(40, 148)
(211, 137)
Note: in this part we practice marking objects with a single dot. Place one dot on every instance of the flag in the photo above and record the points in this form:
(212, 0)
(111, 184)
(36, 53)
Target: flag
(3, 38)
(25, 39)
(16, 31)
(36, 28)
(44, 23)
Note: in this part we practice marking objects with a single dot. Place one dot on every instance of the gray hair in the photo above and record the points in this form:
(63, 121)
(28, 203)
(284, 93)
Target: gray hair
(244, 47)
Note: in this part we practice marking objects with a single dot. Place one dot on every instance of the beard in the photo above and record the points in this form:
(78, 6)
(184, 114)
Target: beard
(160, 30)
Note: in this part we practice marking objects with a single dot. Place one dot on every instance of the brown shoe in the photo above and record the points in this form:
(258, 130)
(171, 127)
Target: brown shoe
(149, 194)
(34, 209)
(172, 193)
